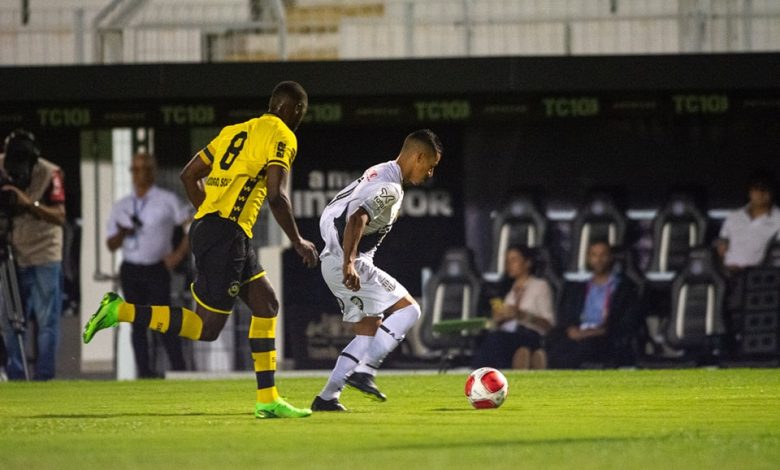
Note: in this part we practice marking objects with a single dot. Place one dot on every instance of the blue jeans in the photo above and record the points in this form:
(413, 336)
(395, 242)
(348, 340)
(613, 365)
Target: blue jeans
(40, 288)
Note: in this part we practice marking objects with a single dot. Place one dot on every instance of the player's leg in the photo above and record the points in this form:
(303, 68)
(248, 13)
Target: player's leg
(364, 327)
(201, 324)
(160, 293)
(159, 287)
(400, 318)
(259, 296)
(214, 290)
(328, 398)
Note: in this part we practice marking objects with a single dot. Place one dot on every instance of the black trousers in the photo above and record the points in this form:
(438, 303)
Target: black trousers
(565, 353)
(149, 285)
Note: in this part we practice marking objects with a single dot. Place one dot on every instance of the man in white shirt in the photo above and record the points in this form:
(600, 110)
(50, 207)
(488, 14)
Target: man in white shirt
(143, 225)
(747, 232)
(380, 309)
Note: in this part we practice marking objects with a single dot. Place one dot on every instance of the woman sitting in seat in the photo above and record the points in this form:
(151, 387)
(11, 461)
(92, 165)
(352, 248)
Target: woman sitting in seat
(520, 319)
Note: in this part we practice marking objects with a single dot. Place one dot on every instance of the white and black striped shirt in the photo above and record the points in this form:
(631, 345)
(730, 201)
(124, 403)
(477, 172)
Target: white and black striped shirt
(378, 191)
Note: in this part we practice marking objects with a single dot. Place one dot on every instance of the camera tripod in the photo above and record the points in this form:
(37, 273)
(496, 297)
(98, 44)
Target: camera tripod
(11, 305)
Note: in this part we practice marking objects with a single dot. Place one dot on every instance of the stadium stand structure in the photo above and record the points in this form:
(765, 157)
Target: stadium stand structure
(756, 320)
(143, 31)
(312, 32)
(772, 256)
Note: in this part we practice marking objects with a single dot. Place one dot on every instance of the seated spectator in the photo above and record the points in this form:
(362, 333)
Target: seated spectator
(748, 231)
(520, 319)
(597, 319)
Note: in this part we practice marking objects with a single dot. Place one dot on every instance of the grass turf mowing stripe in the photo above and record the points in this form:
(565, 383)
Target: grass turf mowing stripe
(590, 419)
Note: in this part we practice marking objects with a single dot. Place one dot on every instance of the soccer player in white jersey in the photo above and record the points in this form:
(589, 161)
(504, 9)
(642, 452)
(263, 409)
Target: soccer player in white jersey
(379, 308)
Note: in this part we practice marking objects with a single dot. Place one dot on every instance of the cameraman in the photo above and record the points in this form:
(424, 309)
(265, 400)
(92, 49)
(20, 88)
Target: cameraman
(34, 188)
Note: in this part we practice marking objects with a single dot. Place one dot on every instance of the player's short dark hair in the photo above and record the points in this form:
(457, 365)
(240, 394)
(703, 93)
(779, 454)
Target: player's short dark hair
(427, 137)
(289, 89)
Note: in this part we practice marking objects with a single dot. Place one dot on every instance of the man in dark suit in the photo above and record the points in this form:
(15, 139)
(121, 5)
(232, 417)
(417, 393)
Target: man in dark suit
(597, 319)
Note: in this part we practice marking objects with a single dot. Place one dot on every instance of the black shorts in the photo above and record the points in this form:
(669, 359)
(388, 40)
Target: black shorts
(224, 262)
(527, 338)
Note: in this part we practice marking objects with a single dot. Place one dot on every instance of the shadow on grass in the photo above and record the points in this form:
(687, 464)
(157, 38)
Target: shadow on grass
(126, 415)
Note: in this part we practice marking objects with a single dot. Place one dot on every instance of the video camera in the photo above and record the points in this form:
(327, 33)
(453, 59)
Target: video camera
(7, 198)
(21, 155)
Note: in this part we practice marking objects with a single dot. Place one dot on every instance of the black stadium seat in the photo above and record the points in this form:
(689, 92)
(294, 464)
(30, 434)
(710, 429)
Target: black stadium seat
(452, 296)
(677, 228)
(518, 222)
(599, 219)
(696, 324)
(626, 266)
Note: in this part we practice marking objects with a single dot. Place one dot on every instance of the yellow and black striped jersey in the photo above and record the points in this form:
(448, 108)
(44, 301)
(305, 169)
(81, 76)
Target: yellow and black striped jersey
(239, 158)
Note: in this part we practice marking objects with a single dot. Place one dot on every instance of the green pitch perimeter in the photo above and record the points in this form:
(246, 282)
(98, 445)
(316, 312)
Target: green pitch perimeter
(595, 419)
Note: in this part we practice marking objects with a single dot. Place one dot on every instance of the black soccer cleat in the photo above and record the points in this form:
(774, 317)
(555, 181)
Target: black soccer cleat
(365, 383)
(320, 404)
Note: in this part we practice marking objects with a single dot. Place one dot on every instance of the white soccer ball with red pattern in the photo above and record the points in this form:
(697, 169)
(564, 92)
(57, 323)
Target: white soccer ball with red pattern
(486, 388)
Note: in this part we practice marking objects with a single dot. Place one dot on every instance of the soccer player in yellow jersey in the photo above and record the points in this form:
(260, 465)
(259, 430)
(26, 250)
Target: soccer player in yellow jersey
(244, 165)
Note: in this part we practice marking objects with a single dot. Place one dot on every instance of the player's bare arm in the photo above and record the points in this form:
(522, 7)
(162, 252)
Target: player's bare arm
(353, 232)
(191, 177)
(281, 208)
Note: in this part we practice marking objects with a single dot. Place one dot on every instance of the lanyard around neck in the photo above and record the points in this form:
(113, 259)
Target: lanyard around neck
(136, 200)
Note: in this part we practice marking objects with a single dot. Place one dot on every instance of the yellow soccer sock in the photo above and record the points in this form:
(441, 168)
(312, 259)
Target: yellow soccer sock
(262, 342)
(169, 320)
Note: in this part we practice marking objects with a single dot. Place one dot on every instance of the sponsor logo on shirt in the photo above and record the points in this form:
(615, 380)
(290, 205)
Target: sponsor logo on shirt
(383, 199)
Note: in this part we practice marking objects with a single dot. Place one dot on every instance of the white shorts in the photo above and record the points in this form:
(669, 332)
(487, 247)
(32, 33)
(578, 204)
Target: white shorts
(378, 290)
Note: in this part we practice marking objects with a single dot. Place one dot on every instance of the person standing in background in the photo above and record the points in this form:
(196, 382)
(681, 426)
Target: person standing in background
(37, 187)
(143, 224)
(747, 232)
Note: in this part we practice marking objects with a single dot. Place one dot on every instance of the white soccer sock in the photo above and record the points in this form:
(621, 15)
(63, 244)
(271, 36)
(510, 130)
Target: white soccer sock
(389, 335)
(347, 360)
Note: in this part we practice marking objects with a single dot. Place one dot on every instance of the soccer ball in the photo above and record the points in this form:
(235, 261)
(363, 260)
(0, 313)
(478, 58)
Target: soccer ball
(486, 388)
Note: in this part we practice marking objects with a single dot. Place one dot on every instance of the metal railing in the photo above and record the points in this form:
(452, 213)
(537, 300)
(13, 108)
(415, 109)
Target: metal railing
(128, 31)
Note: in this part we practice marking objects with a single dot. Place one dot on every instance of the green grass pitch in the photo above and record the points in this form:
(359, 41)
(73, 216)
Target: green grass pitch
(727, 418)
